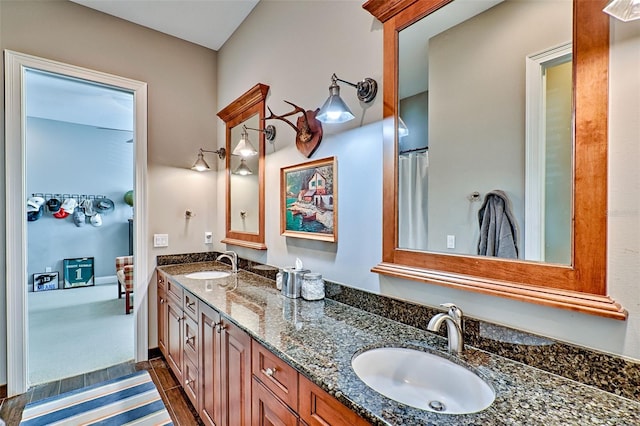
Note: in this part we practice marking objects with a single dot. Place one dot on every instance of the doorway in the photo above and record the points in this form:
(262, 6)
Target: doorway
(16, 65)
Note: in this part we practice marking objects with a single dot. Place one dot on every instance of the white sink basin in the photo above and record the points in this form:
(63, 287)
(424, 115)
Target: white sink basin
(423, 380)
(207, 275)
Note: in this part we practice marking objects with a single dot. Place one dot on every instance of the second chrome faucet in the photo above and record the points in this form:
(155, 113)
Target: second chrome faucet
(233, 257)
(453, 319)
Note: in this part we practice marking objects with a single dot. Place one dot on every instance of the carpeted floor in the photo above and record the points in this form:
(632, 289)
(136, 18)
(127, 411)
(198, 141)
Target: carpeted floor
(77, 330)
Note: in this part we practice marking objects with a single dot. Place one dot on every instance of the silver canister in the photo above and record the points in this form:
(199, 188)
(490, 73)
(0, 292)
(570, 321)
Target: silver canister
(292, 281)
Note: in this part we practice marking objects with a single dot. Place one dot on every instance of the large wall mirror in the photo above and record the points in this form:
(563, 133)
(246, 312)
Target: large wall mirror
(245, 173)
(495, 148)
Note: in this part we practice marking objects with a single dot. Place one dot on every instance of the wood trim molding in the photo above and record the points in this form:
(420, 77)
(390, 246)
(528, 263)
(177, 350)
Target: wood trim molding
(251, 97)
(581, 286)
(243, 243)
(576, 301)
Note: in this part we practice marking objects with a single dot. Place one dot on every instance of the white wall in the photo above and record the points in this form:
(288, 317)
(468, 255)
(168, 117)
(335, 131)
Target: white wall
(66, 158)
(298, 69)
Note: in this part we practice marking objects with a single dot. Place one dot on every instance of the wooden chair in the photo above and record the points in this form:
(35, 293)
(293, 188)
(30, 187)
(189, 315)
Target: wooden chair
(124, 272)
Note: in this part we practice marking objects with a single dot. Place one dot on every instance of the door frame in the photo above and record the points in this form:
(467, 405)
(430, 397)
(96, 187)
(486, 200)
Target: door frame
(15, 196)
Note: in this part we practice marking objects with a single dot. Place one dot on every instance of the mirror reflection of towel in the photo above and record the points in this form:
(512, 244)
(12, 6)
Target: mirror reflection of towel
(498, 227)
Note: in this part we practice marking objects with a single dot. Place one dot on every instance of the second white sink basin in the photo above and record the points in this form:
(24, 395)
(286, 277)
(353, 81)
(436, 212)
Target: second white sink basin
(423, 380)
(207, 275)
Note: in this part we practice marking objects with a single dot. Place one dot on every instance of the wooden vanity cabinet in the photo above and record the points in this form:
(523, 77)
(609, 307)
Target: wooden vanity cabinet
(230, 378)
(174, 348)
(319, 408)
(225, 371)
(162, 312)
(210, 401)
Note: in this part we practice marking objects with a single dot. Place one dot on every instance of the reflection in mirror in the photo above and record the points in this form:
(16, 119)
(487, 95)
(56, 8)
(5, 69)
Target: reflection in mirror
(485, 91)
(244, 187)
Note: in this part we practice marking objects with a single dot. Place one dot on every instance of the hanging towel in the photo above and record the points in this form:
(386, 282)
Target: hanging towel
(498, 227)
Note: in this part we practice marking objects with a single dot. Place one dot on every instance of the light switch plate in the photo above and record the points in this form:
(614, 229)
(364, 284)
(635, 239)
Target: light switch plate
(161, 240)
(451, 241)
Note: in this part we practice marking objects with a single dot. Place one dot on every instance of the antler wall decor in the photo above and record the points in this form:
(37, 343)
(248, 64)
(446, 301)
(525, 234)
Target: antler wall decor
(308, 128)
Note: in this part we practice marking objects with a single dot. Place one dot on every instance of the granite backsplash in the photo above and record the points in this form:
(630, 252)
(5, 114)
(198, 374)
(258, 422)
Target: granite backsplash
(608, 372)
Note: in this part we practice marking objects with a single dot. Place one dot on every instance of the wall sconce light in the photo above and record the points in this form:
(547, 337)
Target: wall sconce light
(335, 110)
(624, 10)
(200, 165)
(245, 148)
(242, 169)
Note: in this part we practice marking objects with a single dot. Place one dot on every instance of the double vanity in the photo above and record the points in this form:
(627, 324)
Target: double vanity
(310, 361)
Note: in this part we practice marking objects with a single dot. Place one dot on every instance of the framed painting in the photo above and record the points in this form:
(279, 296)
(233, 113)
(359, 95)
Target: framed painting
(309, 200)
(78, 272)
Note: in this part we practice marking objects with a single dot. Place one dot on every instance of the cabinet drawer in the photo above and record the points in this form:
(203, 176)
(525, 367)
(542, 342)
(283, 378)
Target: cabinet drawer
(318, 408)
(173, 290)
(269, 410)
(190, 305)
(190, 384)
(190, 334)
(277, 376)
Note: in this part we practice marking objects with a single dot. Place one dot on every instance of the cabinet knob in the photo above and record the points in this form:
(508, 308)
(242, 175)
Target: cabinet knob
(191, 304)
(220, 326)
(188, 382)
(270, 371)
(189, 338)
(161, 300)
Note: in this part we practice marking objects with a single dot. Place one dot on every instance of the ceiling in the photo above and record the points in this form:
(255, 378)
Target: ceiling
(208, 23)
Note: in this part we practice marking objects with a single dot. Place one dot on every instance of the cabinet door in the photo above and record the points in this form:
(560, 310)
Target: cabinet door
(162, 321)
(318, 408)
(267, 410)
(209, 355)
(236, 375)
(174, 337)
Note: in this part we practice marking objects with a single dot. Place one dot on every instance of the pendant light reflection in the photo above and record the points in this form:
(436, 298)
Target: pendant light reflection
(624, 10)
(403, 130)
(242, 169)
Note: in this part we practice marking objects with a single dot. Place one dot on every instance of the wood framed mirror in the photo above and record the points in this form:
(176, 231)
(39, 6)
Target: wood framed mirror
(245, 174)
(580, 282)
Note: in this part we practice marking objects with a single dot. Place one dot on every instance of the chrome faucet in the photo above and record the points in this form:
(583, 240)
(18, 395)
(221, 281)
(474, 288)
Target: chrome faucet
(453, 318)
(233, 257)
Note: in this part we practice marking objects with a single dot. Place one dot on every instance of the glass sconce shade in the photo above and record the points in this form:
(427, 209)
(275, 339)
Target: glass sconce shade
(403, 130)
(244, 147)
(200, 165)
(624, 10)
(334, 109)
(242, 169)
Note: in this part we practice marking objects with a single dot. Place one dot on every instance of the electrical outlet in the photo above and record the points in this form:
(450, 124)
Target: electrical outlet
(208, 237)
(451, 241)
(161, 240)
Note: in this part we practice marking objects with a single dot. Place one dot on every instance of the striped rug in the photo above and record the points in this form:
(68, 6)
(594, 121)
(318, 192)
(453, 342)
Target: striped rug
(128, 400)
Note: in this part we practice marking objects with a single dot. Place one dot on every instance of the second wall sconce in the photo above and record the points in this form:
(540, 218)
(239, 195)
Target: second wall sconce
(245, 148)
(200, 165)
(335, 110)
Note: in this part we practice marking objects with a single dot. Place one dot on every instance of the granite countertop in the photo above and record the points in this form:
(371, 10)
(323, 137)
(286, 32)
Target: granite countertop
(320, 338)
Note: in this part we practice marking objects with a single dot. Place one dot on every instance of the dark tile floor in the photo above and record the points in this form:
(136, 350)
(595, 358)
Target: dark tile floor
(180, 409)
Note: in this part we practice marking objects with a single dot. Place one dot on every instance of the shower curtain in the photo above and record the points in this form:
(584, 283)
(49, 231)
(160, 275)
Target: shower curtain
(413, 177)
